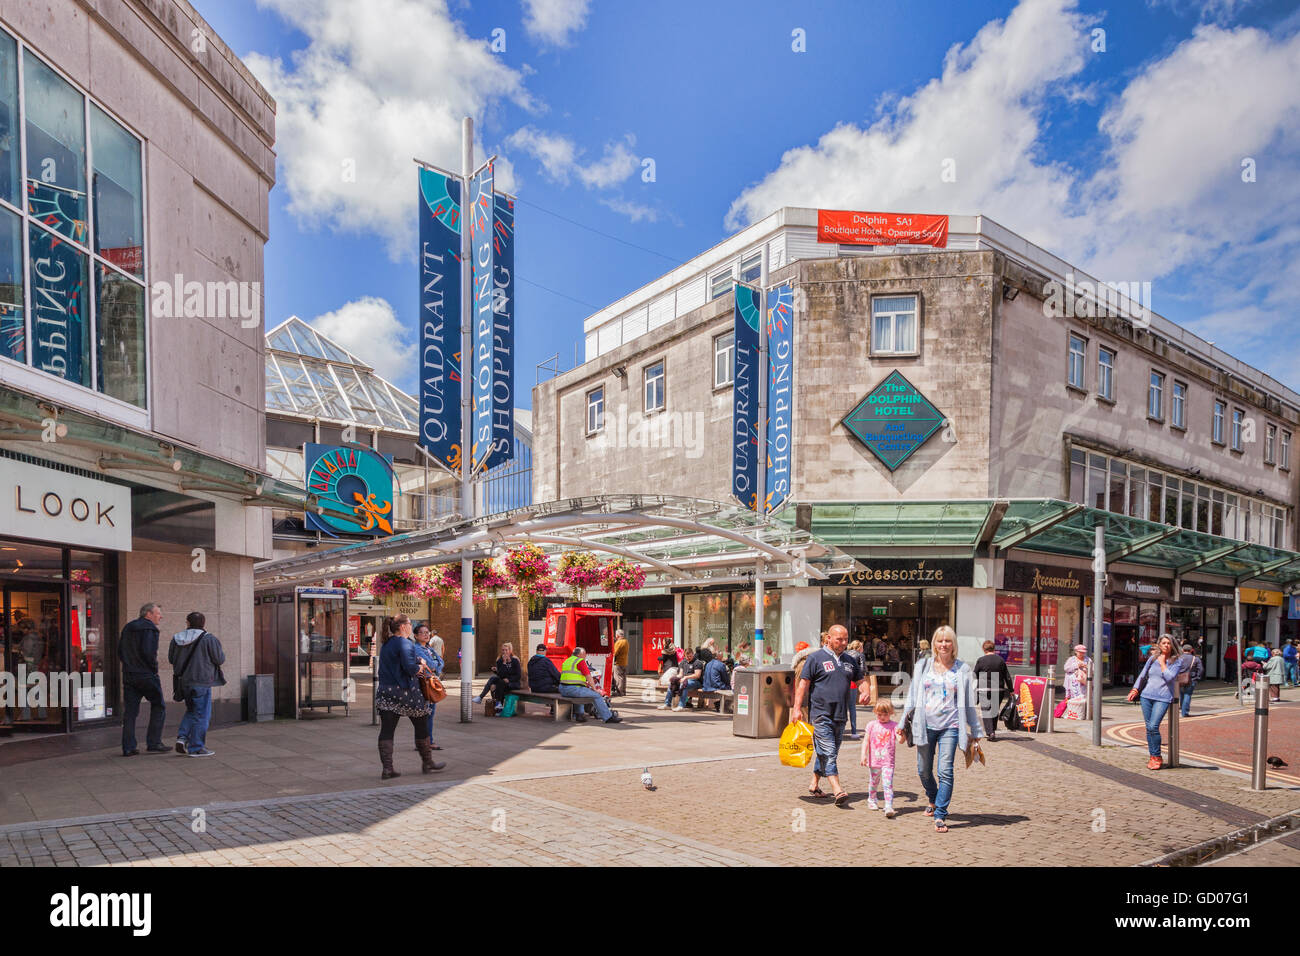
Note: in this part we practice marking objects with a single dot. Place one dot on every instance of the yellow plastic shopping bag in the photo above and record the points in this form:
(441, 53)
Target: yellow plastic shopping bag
(797, 744)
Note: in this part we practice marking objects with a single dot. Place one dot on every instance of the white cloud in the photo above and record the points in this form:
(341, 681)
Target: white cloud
(1158, 197)
(552, 21)
(368, 94)
(634, 211)
(560, 158)
(369, 329)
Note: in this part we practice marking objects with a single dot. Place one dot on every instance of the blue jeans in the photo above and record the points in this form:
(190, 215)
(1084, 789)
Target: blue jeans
(135, 689)
(828, 734)
(944, 744)
(687, 687)
(1292, 672)
(1153, 711)
(194, 725)
(579, 692)
(1185, 696)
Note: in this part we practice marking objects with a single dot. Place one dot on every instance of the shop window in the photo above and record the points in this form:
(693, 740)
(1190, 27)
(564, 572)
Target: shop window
(56, 150)
(742, 620)
(1013, 622)
(120, 320)
(886, 623)
(13, 317)
(119, 204)
(707, 616)
(10, 186)
(59, 277)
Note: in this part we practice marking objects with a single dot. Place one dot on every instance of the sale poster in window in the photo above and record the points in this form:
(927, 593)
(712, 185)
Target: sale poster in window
(1049, 628)
(1009, 629)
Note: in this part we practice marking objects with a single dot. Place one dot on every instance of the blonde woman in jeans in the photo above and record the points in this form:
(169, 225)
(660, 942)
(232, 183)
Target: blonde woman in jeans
(945, 716)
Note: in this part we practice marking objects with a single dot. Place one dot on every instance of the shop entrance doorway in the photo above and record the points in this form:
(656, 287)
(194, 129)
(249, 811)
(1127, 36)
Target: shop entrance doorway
(32, 637)
(1127, 660)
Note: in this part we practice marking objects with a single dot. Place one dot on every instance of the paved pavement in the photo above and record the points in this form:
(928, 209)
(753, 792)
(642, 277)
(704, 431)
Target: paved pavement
(529, 791)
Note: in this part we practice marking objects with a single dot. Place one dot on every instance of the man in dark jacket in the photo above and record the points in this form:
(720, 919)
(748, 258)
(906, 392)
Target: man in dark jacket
(543, 675)
(197, 657)
(137, 649)
(991, 677)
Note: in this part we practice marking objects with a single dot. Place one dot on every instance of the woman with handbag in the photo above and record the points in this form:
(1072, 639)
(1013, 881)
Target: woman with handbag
(943, 716)
(429, 648)
(399, 694)
(1156, 689)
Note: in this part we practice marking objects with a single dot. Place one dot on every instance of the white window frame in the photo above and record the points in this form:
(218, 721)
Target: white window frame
(1238, 417)
(1076, 360)
(1216, 423)
(1156, 396)
(1284, 455)
(751, 259)
(1178, 405)
(1270, 443)
(730, 350)
(716, 292)
(914, 312)
(647, 379)
(1106, 373)
(598, 405)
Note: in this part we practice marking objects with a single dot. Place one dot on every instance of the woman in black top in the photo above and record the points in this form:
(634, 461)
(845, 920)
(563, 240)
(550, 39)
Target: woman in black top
(506, 676)
(991, 700)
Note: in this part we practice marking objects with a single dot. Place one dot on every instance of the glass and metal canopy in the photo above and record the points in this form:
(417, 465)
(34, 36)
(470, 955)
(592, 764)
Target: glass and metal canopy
(994, 526)
(678, 541)
(308, 374)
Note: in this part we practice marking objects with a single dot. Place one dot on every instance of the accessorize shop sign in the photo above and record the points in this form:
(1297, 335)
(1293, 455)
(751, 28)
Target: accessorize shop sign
(935, 572)
(881, 228)
(1046, 579)
(48, 505)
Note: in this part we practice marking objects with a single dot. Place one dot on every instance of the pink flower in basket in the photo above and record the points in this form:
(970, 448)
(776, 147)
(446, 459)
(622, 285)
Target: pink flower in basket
(580, 571)
(620, 574)
(525, 564)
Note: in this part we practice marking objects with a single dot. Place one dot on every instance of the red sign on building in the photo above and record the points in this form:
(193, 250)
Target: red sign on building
(656, 634)
(881, 228)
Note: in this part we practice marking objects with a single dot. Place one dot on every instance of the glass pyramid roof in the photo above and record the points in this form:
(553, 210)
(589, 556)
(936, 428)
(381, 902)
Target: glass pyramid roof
(308, 374)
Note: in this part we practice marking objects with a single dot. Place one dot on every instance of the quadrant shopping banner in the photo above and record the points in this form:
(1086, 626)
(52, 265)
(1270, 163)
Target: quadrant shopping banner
(744, 410)
(440, 359)
(503, 332)
(780, 394)
(483, 283)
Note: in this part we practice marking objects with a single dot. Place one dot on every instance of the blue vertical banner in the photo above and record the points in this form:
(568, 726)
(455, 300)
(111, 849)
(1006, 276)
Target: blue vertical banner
(744, 397)
(440, 297)
(483, 283)
(780, 394)
(503, 331)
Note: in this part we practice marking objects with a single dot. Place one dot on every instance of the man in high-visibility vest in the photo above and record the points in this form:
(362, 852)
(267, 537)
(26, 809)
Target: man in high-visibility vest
(576, 681)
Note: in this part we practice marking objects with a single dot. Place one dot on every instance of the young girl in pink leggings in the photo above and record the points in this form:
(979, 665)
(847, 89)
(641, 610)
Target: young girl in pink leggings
(878, 754)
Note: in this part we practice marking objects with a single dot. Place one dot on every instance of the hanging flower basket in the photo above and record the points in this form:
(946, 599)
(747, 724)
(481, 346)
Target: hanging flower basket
(526, 564)
(397, 582)
(354, 586)
(619, 575)
(580, 571)
(444, 580)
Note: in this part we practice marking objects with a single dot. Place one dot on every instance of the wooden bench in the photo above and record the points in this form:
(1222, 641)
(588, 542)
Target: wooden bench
(725, 699)
(561, 707)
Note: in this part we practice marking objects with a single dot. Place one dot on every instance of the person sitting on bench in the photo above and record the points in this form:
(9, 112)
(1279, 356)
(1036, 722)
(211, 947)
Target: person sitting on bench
(692, 676)
(505, 677)
(576, 681)
(716, 676)
(543, 675)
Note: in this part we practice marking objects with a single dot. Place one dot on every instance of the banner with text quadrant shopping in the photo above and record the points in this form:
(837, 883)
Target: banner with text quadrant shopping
(780, 394)
(503, 332)
(744, 396)
(440, 298)
(483, 284)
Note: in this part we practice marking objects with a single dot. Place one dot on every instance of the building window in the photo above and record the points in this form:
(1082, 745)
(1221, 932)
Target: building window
(1156, 397)
(1216, 432)
(77, 308)
(654, 387)
(1285, 461)
(1178, 407)
(1237, 417)
(893, 325)
(724, 359)
(1106, 374)
(720, 285)
(1074, 365)
(595, 410)
(751, 266)
(1270, 442)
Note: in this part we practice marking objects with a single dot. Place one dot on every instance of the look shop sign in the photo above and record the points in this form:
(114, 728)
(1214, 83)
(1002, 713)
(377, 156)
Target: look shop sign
(48, 505)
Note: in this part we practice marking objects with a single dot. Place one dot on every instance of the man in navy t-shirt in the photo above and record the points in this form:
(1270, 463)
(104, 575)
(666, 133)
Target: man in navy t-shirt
(828, 675)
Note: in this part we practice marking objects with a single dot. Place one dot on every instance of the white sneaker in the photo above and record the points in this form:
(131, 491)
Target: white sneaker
(662, 707)
(890, 812)
(678, 707)
(872, 805)
(478, 700)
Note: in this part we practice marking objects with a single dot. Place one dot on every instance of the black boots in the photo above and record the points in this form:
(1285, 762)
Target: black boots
(386, 760)
(428, 765)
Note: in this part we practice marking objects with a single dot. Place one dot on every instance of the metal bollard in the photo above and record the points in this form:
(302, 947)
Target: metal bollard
(1049, 701)
(1259, 751)
(1174, 716)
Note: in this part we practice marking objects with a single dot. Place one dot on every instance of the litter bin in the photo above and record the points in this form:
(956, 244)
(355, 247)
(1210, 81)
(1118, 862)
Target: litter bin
(763, 699)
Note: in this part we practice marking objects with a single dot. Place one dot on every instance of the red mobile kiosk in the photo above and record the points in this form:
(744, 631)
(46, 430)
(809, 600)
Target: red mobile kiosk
(588, 625)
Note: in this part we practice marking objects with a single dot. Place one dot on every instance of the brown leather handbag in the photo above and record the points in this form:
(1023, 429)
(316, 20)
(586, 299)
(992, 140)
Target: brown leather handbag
(430, 686)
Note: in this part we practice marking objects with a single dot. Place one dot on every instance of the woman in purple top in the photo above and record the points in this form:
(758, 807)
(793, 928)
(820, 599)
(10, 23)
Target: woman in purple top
(1156, 689)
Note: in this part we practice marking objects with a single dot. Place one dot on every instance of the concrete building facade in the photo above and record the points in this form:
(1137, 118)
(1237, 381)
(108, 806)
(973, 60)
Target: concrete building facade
(135, 169)
(1050, 385)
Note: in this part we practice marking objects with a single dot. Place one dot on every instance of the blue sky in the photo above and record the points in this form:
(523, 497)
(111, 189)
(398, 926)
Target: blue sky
(1124, 160)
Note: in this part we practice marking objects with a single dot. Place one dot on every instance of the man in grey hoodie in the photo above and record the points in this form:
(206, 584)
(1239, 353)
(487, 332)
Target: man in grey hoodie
(196, 657)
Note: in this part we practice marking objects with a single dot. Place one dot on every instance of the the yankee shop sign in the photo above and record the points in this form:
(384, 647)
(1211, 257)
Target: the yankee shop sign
(893, 420)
